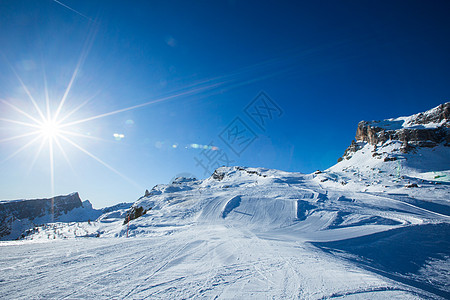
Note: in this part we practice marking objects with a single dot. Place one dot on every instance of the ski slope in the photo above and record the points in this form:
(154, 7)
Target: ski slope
(251, 233)
(199, 262)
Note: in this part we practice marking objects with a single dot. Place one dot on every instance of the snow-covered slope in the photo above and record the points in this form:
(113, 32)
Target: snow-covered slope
(375, 225)
(316, 207)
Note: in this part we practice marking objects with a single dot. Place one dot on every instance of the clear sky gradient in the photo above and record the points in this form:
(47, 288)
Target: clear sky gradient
(152, 89)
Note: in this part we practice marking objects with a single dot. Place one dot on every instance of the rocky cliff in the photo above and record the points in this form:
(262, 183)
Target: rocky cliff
(427, 129)
(17, 215)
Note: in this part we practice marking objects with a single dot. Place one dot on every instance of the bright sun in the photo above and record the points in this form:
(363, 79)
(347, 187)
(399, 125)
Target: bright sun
(50, 129)
(51, 125)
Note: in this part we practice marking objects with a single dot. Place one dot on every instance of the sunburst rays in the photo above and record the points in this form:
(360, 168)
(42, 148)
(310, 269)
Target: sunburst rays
(40, 127)
(47, 126)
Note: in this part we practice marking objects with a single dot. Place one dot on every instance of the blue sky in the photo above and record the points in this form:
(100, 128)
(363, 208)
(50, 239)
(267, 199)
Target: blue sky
(189, 69)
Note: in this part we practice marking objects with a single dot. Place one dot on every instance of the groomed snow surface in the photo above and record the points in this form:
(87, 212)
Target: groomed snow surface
(366, 228)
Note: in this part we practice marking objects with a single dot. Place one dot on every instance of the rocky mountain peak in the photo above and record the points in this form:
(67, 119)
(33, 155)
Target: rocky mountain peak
(425, 129)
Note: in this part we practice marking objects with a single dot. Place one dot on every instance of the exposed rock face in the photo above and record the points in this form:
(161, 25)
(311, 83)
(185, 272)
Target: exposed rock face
(351, 149)
(427, 129)
(437, 115)
(217, 175)
(220, 173)
(182, 180)
(422, 137)
(134, 213)
(32, 209)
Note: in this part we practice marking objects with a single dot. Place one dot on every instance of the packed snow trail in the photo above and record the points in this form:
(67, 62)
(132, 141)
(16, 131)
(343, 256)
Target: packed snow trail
(200, 262)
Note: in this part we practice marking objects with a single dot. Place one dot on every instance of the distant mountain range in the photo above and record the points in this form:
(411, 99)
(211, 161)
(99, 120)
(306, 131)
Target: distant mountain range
(19, 216)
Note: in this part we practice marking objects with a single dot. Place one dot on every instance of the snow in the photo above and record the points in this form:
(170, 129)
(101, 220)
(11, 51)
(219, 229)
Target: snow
(214, 261)
(374, 226)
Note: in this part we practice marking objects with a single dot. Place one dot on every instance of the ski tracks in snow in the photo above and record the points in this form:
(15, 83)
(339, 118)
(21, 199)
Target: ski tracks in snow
(141, 286)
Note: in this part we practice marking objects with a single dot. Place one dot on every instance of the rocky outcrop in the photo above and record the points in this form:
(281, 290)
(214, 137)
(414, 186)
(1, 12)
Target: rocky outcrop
(221, 172)
(437, 115)
(422, 137)
(427, 129)
(218, 175)
(134, 213)
(18, 210)
(354, 146)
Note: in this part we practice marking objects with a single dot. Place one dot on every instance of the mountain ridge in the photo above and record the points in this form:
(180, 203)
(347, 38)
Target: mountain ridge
(16, 216)
(427, 129)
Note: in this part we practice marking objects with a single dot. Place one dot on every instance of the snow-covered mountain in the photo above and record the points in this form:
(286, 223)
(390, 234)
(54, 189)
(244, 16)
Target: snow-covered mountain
(417, 147)
(16, 216)
(375, 225)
